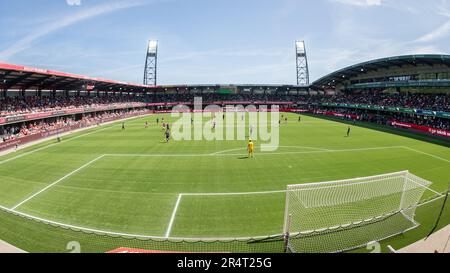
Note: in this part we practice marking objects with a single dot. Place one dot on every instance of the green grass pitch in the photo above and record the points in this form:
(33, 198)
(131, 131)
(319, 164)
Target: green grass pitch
(130, 181)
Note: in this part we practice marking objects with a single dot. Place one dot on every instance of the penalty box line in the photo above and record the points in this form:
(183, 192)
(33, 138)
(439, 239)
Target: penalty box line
(56, 182)
(181, 195)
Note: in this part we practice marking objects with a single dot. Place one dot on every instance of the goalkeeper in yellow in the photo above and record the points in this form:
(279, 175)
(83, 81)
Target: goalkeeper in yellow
(250, 148)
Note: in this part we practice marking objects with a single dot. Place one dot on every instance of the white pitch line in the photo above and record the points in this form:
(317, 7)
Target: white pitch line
(174, 214)
(27, 153)
(56, 182)
(261, 154)
(51, 145)
(108, 126)
(234, 193)
(226, 151)
(92, 230)
(301, 147)
(424, 153)
(295, 147)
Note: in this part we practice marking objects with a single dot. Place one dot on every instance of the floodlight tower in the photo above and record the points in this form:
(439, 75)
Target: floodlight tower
(302, 64)
(151, 62)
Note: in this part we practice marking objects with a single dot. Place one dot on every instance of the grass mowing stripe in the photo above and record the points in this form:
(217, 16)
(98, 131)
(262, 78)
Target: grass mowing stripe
(56, 182)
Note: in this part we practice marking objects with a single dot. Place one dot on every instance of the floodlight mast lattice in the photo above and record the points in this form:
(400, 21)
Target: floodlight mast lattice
(302, 64)
(151, 63)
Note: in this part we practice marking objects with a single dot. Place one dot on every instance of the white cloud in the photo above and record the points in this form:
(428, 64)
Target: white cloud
(360, 3)
(61, 23)
(438, 33)
(441, 31)
(73, 2)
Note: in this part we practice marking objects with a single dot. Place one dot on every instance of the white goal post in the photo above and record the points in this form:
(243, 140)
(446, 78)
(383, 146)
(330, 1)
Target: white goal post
(342, 215)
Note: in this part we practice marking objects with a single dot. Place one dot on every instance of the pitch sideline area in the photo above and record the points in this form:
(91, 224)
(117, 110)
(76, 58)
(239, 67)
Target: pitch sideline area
(181, 195)
(176, 197)
(438, 242)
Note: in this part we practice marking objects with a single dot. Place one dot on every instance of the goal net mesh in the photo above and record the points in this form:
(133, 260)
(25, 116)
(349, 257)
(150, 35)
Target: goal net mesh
(343, 215)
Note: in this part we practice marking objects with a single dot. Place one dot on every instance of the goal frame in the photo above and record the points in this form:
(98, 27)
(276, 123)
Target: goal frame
(288, 216)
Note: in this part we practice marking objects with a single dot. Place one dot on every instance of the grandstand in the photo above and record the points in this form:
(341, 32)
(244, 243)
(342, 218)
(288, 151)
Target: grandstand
(95, 186)
(408, 92)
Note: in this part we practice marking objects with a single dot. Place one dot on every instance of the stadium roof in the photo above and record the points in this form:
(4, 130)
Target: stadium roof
(25, 78)
(344, 74)
(29, 78)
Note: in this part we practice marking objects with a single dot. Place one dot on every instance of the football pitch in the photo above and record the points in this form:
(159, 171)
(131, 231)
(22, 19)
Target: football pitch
(131, 182)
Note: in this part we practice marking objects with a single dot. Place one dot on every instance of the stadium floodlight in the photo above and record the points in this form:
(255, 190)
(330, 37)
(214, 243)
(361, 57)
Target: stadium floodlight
(151, 62)
(302, 64)
(300, 46)
(153, 47)
(343, 215)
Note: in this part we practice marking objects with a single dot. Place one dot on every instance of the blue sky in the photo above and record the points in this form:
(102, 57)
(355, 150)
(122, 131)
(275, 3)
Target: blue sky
(216, 41)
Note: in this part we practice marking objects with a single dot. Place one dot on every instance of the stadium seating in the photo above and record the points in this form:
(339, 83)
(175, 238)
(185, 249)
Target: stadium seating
(15, 106)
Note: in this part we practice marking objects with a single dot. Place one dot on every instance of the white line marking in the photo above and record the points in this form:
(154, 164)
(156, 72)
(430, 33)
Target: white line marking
(51, 145)
(56, 182)
(424, 153)
(295, 147)
(261, 154)
(98, 231)
(109, 126)
(174, 214)
(234, 193)
(91, 230)
(226, 151)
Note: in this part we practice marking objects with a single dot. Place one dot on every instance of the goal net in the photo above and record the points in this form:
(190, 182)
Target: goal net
(342, 215)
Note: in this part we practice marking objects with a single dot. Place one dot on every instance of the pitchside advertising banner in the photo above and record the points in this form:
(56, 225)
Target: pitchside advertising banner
(438, 114)
(225, 103)
(12, 143)
(335, 114)
(20, 141)
(425, 129)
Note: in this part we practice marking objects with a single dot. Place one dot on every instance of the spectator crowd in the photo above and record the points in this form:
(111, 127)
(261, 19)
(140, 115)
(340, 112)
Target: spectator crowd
(15, 131)
(433, 102)
(15, 106)
(386, 118)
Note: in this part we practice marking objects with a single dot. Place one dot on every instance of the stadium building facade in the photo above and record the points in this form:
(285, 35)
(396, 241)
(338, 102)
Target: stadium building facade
(411, 73)
(398, 94)
(411, 92)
